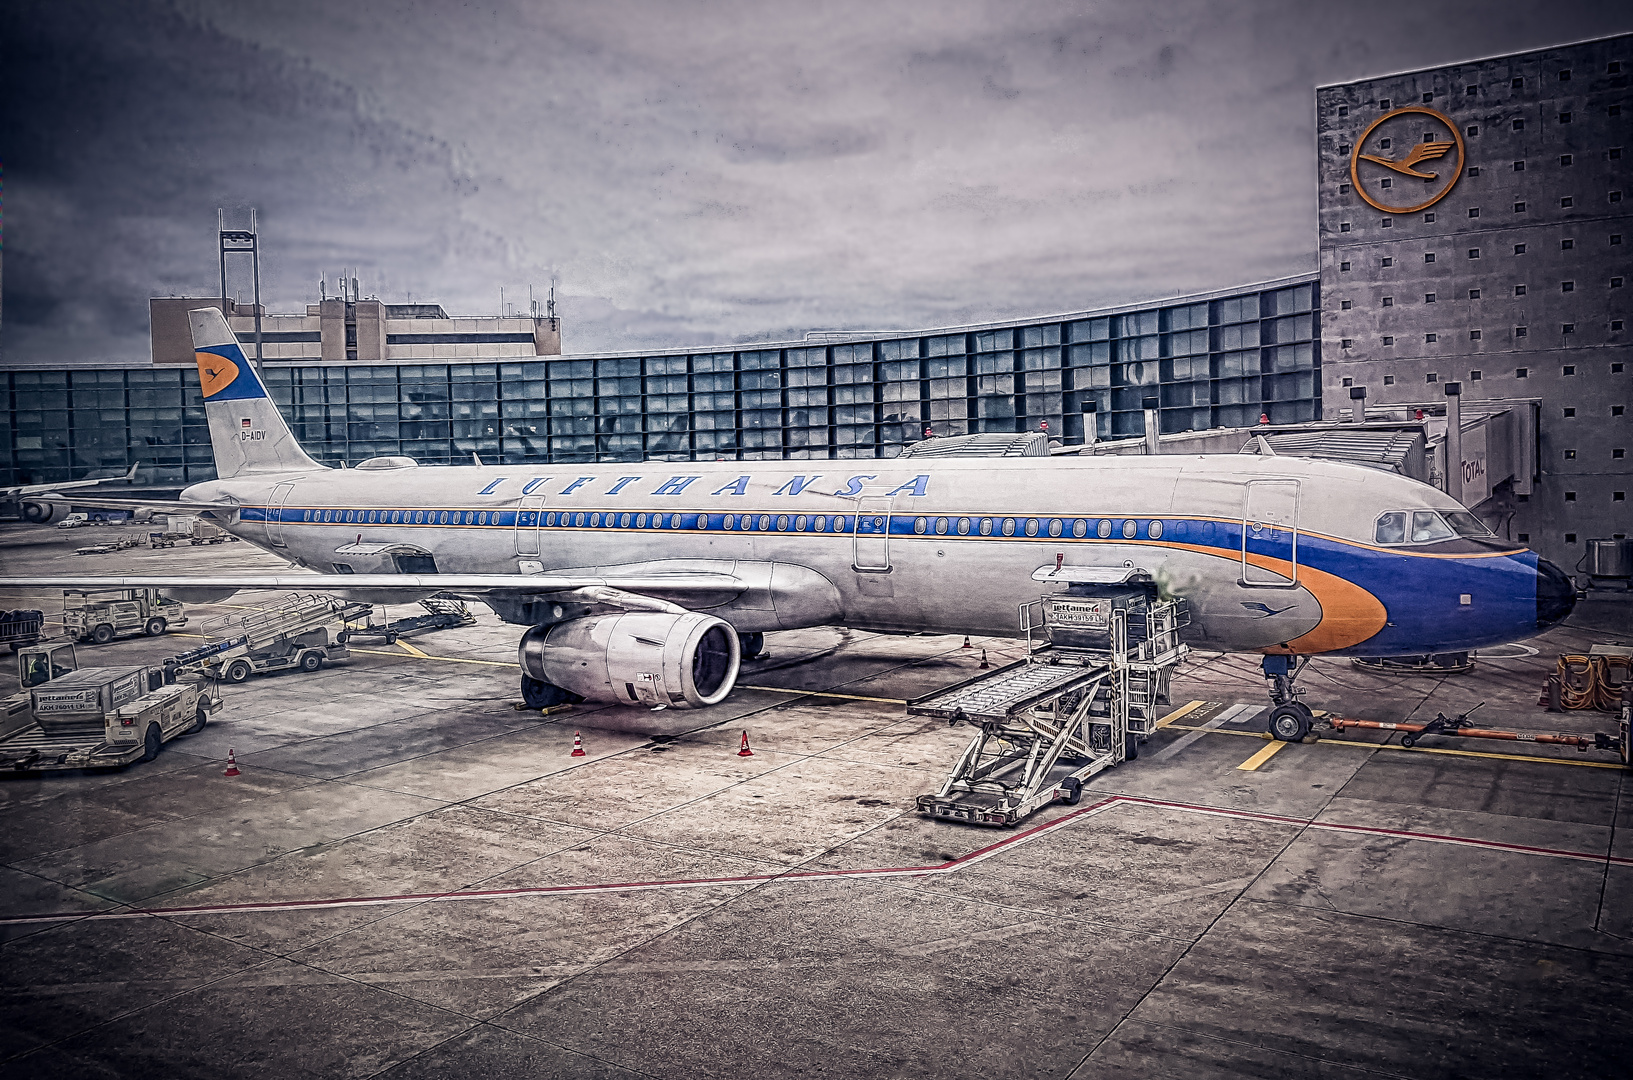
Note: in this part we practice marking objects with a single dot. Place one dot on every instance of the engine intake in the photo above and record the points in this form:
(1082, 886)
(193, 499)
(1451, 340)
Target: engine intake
(39, 513)
(687, 660)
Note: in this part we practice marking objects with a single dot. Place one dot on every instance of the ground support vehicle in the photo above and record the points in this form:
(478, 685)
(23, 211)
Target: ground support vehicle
(1079, 703)
(292, 635)
(440, 614)
(74, 521)
(205, 533)
(128, 540)
(101, 616)
(76, 718)
(21, 627)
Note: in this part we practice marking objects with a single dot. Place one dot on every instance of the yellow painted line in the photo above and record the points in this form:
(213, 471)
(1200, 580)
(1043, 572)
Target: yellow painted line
(410, 650)
(1252, 764)
(1478, 754)
(1418, 749)
(819, 693)
(1182, 711)
(417, 655)
(1223, 731)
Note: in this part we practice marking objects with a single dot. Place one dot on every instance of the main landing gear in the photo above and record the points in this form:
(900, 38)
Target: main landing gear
(538, 694)
(1290, 718)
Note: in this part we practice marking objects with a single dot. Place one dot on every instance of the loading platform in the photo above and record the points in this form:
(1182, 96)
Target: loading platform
(1081, 701)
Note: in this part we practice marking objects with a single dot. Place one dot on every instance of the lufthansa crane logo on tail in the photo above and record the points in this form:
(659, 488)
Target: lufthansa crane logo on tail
(226, 375)
(1407, 160)
(215, 373)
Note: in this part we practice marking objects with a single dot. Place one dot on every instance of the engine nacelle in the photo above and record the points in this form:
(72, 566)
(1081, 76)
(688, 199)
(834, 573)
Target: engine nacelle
(687, 660)
(42, 512)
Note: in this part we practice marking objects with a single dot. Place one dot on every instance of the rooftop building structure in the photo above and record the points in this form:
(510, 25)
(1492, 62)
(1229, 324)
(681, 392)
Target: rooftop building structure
(1474, 233)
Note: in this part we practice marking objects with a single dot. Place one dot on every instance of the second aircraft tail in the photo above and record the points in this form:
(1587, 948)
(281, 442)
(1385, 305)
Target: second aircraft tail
(247, 433)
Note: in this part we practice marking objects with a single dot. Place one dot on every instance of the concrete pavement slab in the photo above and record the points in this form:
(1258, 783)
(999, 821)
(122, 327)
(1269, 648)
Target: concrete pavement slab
(496, 1054)
(244, 1024)
(157, 860)
(847, 979)
(1403, 999)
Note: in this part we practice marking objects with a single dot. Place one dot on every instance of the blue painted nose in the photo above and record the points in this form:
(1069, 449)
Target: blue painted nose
(1556, 595)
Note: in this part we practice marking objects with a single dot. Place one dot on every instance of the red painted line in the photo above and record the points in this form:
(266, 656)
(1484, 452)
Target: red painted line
(820, 875)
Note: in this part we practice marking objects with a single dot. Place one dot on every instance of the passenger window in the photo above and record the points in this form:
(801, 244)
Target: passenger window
(986, 526)
(1391, 528)
(1427, 527)
(919, 524)
(821, 523)
(1080, 528)
(963, 526)
(1103, 530)
(1009, 527)
(1130, 527)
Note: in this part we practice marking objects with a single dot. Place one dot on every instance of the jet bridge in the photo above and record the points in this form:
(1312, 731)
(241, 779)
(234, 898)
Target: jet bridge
(1097, 667)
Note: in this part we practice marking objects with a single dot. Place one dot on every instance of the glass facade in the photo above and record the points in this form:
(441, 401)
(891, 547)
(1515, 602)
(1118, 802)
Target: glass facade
(1214, 361)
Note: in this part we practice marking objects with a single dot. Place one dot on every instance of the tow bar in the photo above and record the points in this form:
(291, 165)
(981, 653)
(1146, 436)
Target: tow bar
(1460, 727)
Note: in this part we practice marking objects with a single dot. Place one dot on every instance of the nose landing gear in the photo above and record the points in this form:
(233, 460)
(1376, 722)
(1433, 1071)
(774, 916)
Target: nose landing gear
(1290, 719)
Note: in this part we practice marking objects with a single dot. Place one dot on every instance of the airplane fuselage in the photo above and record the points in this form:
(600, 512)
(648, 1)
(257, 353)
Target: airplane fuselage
(1274, 554)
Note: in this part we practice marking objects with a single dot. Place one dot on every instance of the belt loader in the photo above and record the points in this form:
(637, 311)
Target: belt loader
(289, 636)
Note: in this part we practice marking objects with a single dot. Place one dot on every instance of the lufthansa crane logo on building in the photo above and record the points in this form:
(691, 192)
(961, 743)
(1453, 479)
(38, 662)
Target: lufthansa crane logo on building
(1407, 160)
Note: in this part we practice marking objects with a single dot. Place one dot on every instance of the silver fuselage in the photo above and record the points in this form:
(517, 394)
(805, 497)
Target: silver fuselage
(920, 545)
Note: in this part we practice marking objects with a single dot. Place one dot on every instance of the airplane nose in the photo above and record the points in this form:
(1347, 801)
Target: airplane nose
(1556, 594)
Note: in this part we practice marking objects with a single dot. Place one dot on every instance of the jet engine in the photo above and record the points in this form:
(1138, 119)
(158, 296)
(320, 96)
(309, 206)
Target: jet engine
(41, 512)
(685, 659)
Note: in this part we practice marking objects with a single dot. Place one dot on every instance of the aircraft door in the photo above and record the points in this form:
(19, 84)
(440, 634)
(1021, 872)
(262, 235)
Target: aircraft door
(1270, 528)
(275, 512)
(529, 515)
(870, 535)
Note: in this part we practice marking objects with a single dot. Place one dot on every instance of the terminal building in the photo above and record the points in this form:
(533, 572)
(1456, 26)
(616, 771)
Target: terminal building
(1470, 238)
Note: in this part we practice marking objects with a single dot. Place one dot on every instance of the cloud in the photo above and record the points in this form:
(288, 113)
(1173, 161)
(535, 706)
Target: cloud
(699, 172)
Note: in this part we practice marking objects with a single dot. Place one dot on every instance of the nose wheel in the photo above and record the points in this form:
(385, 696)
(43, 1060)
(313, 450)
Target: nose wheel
(1290, 719)
(1290, 723)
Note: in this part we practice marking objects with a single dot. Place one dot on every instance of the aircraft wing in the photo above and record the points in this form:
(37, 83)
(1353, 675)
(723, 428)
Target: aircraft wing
(34, 489)
(421, 584)
(190, 506)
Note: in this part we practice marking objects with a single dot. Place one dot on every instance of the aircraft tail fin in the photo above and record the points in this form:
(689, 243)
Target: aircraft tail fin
(247, 433)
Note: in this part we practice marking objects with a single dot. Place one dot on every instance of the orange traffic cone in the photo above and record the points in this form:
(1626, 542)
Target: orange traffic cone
(578, 746)
(967, 644)
(984, 664)
(232, 764)
(744, 751)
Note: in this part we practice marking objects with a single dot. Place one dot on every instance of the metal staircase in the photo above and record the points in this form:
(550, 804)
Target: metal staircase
(1051, 721)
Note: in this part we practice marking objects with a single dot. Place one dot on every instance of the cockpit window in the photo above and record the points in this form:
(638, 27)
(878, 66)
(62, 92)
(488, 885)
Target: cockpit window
(1391, 528)
(1427, 527)
(1466, 524)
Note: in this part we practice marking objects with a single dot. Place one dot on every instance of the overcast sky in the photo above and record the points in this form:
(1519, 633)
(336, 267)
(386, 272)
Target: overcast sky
(689, 172)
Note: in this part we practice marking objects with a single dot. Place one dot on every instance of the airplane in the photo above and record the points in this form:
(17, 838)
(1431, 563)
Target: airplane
(645, 584)
(41, 511)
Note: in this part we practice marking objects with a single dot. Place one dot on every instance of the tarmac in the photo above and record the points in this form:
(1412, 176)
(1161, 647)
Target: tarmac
(411, 877)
